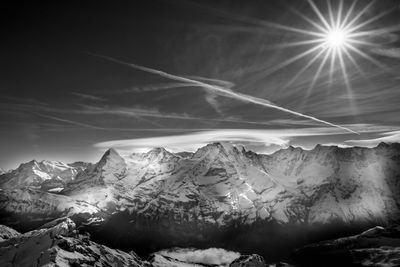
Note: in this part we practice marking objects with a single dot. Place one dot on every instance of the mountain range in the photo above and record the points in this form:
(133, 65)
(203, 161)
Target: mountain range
(218, 196)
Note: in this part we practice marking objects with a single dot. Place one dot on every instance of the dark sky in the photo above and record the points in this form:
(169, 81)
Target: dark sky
(62, 100)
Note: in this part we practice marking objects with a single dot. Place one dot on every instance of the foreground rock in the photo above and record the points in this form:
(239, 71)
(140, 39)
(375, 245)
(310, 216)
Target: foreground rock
(60, 245)
(158, 260)
(253, 260)
(7, 233)
(375, 247)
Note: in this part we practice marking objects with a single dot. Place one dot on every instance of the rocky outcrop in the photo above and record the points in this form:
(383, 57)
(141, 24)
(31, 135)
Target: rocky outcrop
(61, 245)
(45, 175)
(7, 233)
(158, 260)
(378, 246)
(253, 260)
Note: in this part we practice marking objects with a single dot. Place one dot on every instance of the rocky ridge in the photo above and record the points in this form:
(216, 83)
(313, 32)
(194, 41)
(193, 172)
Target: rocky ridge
(61, 245)
(378, 246)
(160, 196)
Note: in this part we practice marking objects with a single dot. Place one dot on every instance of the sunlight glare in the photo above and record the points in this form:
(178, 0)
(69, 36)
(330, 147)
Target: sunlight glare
(336, 38)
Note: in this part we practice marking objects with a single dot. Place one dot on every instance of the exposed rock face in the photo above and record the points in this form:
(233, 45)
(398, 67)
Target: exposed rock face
(61, 245)
(158, 260)
(375, 247)
(219, 184)
(7, 233)
(253, 260)
(377, 257)
(218, 193)
(28, 208)
(47, 175)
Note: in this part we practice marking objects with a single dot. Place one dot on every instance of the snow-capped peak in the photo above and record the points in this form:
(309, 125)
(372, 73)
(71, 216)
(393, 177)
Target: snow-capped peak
(38, 174)
(110, 166)
(216, 149)
(111, 154)
(158, 154)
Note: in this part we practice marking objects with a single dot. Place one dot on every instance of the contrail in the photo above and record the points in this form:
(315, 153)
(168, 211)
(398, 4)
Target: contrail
(69, 121)
(222, 91)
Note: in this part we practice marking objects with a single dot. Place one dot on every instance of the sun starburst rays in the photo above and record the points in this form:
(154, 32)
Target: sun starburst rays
(335, 38)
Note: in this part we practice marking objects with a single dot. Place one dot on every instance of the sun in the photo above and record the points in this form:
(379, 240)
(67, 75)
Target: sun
(337, 39)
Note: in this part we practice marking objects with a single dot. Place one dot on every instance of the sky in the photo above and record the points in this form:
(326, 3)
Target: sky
(80, 77)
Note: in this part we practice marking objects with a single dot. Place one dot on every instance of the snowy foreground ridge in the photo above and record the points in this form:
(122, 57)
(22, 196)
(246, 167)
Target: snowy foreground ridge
(220, 192)
(62, 245)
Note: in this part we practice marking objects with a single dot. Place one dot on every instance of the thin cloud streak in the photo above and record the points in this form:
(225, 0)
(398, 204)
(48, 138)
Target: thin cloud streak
(90, 126)
(138, 113)
(222, 91)
(154, 113)
(393, 52)
(68, 121)
(88, 97)
(155, 87)
(192, 141)
(389, 137)
(223, 83)
(262, 138)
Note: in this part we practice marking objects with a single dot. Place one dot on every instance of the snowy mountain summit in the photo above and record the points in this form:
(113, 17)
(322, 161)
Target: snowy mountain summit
(160, 196)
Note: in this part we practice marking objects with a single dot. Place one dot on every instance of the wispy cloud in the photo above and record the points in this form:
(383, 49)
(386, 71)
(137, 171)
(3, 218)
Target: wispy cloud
(223, 91)
(212, 100)
(131, 112)
(95, 127)
(89, 97)
(152, 88)
(393, 52)
(155, 113)
(137, 112)
(293, 122)
(68, 121)
(388, 137)
(255, 137)
(25, 100)
(192, 141)
(210, 256)
(223, 83)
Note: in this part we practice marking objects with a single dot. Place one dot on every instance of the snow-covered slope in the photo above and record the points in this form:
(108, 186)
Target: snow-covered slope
(219, 183)
(61, 245)
(47, 175)
(345, 184)
(218, 189)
